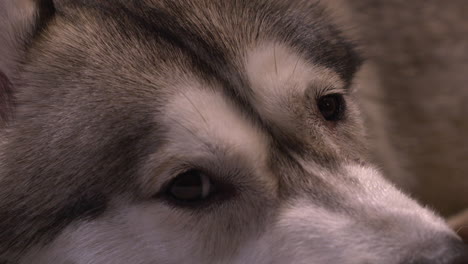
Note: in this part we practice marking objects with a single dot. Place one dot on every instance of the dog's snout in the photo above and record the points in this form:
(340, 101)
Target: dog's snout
(456, 253)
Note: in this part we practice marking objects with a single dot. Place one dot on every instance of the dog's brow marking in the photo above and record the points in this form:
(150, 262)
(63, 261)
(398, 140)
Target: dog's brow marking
(210, 118)
(277, 74)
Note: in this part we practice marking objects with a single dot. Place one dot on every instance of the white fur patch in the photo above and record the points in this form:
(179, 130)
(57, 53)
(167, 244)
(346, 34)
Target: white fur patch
(280, 78)
(200, 116)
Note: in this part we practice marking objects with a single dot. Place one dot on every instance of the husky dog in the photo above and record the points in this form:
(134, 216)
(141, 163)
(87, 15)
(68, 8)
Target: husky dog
(194, 131)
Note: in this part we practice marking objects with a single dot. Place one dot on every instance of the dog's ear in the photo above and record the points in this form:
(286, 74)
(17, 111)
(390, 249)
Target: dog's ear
(20, 22)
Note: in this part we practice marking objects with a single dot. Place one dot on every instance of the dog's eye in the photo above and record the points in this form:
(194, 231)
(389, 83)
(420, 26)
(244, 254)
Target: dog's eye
(190, 186)
(331, 107)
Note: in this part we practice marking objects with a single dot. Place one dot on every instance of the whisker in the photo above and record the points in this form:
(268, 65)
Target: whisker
(294, 70)
(196, 109)
(274, 55)
(177, 122)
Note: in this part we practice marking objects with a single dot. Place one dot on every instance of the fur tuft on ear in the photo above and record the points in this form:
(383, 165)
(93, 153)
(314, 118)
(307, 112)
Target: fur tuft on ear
(20, 21)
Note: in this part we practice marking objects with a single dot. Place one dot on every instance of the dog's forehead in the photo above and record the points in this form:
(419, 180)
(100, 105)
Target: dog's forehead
(212, 34)
(258, 52)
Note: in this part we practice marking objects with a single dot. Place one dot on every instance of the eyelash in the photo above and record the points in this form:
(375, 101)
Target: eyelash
(327, 90)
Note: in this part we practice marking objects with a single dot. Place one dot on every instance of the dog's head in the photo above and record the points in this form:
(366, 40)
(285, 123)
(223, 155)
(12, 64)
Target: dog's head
(191, 131)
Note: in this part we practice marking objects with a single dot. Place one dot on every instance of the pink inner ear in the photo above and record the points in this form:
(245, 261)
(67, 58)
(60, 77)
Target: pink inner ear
(6, 99)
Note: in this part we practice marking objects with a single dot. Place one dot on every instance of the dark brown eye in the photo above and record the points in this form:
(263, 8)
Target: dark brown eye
(331, 107)
(190, 186)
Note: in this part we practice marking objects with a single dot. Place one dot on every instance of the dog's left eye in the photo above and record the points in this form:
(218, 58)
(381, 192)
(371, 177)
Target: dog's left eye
(331, 107)
(190, 186)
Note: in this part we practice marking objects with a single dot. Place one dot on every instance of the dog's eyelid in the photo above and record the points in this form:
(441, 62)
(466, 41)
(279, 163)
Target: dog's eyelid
(161, 171)
(328, 90)
(171, 174)
(194, 189)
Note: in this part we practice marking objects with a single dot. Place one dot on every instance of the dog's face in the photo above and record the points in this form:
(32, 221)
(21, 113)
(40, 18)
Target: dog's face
(194, 132)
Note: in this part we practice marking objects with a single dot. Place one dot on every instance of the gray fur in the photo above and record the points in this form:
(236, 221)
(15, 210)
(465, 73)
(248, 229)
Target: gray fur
(92, 83)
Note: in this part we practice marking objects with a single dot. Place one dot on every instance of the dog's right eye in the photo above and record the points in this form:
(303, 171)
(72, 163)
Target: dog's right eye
(190, 186)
